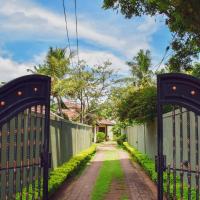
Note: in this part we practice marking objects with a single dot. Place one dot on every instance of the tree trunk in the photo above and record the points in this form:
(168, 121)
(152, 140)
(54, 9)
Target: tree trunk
(82, 108)
(59, 105)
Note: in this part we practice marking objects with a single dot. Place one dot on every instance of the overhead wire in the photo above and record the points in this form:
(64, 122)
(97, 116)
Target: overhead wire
(163, 58)
(67, 31)
(77, 40)
(78, 61)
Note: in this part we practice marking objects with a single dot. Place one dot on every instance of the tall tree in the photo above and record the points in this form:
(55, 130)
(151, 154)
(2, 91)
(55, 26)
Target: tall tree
(140, 68)
(57, 66)
(91, 87)
(182, 18)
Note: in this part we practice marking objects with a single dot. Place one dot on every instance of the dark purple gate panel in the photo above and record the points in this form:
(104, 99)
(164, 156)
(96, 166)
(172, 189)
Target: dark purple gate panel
(178, 136)
(24, 138)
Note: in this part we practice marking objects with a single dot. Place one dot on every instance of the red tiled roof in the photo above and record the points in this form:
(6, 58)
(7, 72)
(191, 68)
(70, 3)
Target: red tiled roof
(105, 122)
(71, 113)
(72, 104)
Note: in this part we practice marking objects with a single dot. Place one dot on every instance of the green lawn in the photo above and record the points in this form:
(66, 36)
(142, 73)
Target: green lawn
(109, 171)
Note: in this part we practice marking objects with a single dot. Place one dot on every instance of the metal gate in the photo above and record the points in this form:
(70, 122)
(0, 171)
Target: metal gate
(177, 162)
(24, 138)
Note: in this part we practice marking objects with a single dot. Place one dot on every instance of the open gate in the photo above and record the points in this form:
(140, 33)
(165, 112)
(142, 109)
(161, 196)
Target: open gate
(177, 162)
(24, 138)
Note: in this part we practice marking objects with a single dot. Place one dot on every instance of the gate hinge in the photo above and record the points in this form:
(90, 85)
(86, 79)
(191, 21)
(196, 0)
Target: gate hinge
(163, 162)
(45, 159)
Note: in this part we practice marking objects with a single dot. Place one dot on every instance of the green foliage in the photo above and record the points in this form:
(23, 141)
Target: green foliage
(87, 85)
(57, 66)
(135, 101)
(140, 68)
(138, 105)
(93, 85)
(149, 166)
(100, 137)
(182, 18)
(121, 139)
(109, 171)
(116, 129)
(196, 70)
(60, 174)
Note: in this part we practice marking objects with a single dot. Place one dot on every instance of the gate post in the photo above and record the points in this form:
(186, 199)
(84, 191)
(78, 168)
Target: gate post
(47, 155)
(159, 144)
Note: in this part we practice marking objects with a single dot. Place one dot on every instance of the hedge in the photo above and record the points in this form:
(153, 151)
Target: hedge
(61, 173)
(149, 167)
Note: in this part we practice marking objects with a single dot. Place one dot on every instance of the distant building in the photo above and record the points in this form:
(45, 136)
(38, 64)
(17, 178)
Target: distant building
(105, 126)
(72, 110)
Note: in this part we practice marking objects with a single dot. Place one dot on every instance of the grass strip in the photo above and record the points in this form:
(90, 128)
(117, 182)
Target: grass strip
(110, 170)
(149, 167)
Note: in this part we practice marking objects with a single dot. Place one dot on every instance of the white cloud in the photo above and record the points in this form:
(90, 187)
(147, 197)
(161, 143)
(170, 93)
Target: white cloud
(11, 69)
(25, 20)
(30, 21)
(98, 57)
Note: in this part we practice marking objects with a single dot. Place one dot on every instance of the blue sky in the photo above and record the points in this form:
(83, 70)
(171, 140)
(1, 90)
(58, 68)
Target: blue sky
(30, 27)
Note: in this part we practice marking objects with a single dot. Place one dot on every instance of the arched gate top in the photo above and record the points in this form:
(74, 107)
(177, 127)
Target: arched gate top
(179, 89)
(23, 92)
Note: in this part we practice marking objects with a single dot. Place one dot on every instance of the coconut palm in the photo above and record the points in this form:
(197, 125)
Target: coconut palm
(57, 66)
(140, 68)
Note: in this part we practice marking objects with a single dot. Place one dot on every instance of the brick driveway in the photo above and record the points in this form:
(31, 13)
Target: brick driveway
(138, 184)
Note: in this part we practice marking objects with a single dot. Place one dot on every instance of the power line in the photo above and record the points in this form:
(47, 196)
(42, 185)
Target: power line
(77, 49)
(163, 58)
(66, 27)
(76, 18)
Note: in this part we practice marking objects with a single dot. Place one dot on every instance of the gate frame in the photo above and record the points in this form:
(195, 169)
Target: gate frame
(175, 89)
(12, 93)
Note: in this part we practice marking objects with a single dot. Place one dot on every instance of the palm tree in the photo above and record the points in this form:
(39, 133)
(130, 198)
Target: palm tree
(57, 67)
(140, 68)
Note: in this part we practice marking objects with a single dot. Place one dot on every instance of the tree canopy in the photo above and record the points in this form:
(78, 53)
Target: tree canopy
(87, 85)
(141, 73)
(182, 18)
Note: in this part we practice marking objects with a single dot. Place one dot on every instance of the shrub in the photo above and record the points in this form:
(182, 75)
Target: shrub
(118, 127)
(138, 105)
(121, 139)
(100, 137)
(61, 173)
(149, 167)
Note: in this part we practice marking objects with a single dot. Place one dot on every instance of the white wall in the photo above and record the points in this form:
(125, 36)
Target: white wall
(110, 133)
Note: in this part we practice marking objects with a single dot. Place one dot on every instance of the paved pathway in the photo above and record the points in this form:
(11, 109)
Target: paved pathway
(138, 184)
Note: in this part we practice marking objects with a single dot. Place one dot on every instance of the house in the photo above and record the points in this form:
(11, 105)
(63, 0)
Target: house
(105, 126)
(72, 110)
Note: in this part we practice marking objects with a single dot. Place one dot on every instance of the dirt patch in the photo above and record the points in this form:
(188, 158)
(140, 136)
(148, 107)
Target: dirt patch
(118, 190)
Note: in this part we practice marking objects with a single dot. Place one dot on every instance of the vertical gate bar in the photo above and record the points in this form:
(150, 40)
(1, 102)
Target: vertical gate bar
(15, 157)
(174, 152)
(7, 158)
(1, 186)
(189, 164)
(28, 154)
(181, 153)
(168, 182)
(197, 156)
(40, 151)
(34, 151)
(46, 143)
(22, 157)
(160, 145)
(45, 166)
